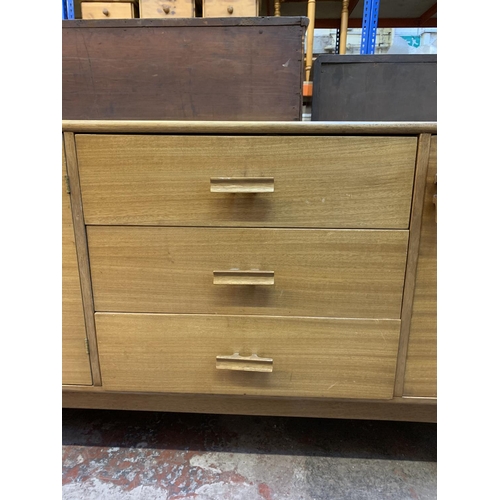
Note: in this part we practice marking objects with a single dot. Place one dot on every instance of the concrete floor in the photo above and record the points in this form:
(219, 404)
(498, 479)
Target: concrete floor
(114, 455)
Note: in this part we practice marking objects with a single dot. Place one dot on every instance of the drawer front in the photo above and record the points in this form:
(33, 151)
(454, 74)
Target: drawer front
(337, 273)
(107, 10)
(328, 182)
(310, 357)
(230, 8)
(166, 8)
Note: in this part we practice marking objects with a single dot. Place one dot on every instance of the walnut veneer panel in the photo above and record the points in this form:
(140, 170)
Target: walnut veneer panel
(311, 357)
(338, 273)
(330, 182)
(75, 360)
(421, 363)
(175, 68)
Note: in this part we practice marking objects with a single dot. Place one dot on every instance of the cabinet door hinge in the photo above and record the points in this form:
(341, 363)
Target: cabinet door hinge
(68, 188)
(87, 350)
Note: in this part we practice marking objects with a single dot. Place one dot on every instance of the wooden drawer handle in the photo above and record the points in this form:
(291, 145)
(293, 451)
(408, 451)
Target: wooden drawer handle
(242, 185)
(244, 363)
(105, 12)
(243, 277)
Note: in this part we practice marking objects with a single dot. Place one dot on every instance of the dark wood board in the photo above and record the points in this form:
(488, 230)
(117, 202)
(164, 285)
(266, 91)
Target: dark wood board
(375, 88)
(183, 69)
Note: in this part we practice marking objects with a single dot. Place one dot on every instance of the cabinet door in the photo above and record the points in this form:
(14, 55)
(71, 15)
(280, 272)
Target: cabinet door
(421, 363)
(75, 360)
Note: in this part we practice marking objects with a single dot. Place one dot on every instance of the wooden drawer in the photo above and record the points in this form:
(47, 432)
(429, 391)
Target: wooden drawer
(230, 8)
(337, 273)
(166, 8)
(107, 10)
(310, 357)
(329, 182)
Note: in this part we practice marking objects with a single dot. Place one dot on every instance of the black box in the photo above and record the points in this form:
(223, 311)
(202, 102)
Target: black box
(375, 88)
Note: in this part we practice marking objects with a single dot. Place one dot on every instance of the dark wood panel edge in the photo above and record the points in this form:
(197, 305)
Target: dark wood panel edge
(191, 22)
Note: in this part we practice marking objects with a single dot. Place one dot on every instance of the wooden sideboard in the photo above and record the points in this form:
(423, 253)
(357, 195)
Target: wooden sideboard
(269, 268)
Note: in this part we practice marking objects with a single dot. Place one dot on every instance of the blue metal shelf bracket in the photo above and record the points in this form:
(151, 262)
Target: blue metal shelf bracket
(370, 22)
(68, 9)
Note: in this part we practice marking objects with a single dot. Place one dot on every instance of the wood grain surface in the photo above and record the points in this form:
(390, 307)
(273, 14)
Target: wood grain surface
(334, 182)
(311, 357)
(166, 8)
(230, 8)
(337, 273)
(421, 362)
(404, 409)
(411, 263)
(107, 10)
(75, 360)
(262, 21)
(183, 69)
(247, 127)
(82, 253)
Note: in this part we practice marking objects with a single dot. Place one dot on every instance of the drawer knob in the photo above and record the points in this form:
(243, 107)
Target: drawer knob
(230, 10)
(243, 277)
(242, 185)
(166, 9)
(244, 363)
(105, 12)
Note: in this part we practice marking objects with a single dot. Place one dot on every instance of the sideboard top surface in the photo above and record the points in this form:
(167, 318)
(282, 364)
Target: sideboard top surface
(247, 127)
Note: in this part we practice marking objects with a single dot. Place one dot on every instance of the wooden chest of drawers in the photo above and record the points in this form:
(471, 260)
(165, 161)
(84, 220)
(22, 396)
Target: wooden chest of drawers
(262, 268)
